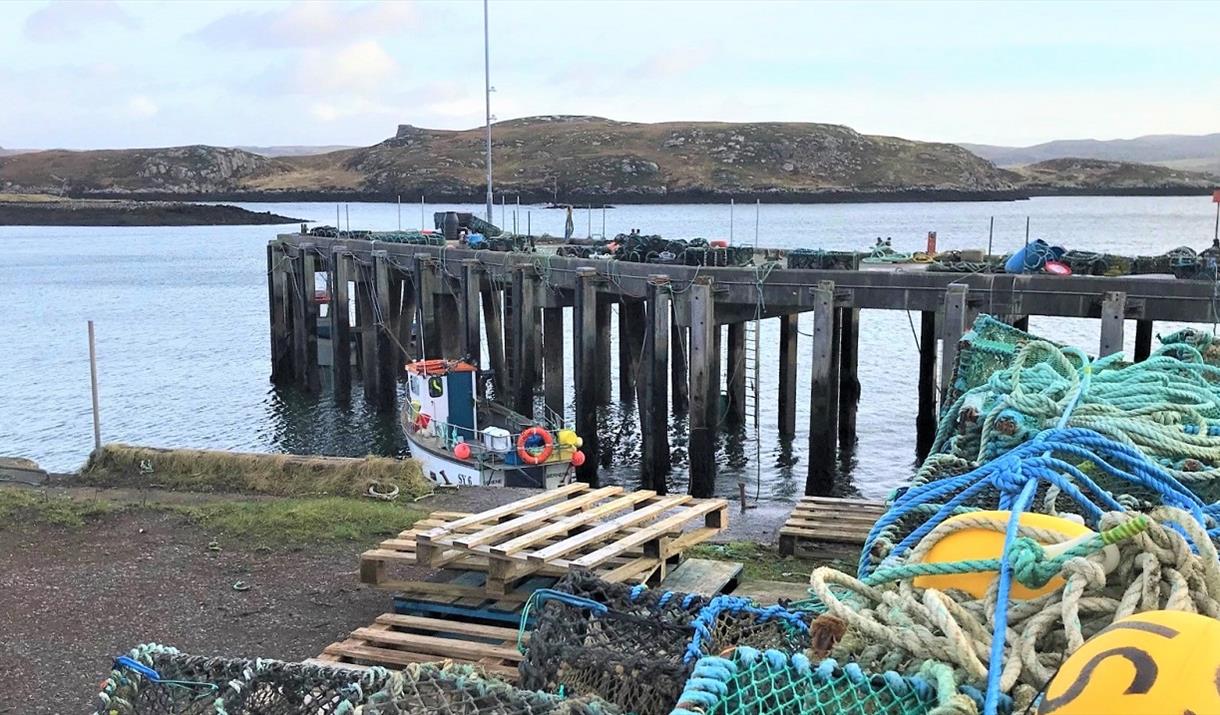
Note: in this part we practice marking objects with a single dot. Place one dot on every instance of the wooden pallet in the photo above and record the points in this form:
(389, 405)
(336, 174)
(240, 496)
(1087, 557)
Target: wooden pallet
(620, 536)
(461, 595)
(395, 640)
(822, 519)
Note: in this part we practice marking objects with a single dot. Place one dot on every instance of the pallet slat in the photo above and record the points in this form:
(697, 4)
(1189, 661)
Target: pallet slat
(828, 520)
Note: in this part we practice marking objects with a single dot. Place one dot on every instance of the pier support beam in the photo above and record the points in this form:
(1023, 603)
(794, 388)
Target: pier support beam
(385, 393)
(1143, 340)
(679, 338)
(340, 323)
(603, 352)
(525, 315)
(584, 334)
(492, 312)
(824, 394)
(654, 409)
(632, 327)
(704, 390)
(552, 364)
(510, 338)
(1113, 313)
(449, 317)
(737, 373)
(849, 379)
(472, 346)
(279, 277)
(404, 325)
(925, 422)
(788, 337)
(305, 319)
(955, 325)
(427, 334)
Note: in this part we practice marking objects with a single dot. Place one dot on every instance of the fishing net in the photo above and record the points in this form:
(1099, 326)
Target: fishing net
(419, 238)
(753, 682)
(817, 259)
(635, 647)
(157, 680)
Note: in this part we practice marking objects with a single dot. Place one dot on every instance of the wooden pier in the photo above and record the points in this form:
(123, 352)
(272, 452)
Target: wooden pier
(428, 301)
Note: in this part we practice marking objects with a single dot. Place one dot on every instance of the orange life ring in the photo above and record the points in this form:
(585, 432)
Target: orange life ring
(548, 446)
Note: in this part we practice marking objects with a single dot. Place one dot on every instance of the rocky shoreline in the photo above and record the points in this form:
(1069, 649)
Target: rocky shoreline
(99, 212)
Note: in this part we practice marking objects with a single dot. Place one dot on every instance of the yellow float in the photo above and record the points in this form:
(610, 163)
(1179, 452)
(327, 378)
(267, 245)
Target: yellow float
(1148, 664)
(984, 542)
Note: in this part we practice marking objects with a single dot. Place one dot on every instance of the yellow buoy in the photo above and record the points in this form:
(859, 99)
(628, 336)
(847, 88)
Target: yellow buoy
(982, 542)
(1147, 664)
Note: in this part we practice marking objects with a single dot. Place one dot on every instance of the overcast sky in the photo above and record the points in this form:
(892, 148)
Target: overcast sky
(93, 74)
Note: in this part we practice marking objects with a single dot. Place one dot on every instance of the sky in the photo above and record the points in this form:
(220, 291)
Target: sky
(103, 74)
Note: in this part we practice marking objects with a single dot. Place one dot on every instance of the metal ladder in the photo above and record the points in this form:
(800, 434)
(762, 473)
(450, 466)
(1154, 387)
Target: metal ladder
(753, 368)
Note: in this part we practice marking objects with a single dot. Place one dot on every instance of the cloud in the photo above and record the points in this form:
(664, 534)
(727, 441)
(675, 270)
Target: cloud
(141, 107)
(306, 24)
(63, 21)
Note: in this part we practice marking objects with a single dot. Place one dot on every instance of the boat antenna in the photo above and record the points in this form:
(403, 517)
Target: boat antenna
(487, 92)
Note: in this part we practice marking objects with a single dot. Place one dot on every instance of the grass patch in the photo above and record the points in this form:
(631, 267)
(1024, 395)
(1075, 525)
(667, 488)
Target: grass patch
(763, 562)
(20, 507)
(118, 465)
(276, 522)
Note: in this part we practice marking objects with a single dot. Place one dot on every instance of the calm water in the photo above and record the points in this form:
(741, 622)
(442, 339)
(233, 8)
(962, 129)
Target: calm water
(183, 346)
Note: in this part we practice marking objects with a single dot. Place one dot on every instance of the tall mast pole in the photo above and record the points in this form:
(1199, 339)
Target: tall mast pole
(487, 93)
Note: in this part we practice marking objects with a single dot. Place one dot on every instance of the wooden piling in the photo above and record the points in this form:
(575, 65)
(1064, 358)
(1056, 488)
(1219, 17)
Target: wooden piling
(603, 351)
(427, 337)
(340, 323)
(824, 394)
(552, 363)
(849, 379)
(385, 389)
(679, 338)
(632, 326)
(278, 280)
(448, 322)
(1143, 340)
(1113, 313)
(788, 338)
(305, 320)
(704, 389)
(925, 422)
(525, 314)
(954, 326)
(654, 410)
(510, 335)
(406, 314)
(736, 370)
(472, 345)
(492, 312)
(584, 359)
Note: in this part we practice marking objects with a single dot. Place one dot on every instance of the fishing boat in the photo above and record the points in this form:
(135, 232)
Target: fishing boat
(461, 439)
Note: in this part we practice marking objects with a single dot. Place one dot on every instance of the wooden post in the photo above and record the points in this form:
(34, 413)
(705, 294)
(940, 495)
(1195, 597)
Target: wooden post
(428, 333)
(925, 422)
(1113, 312)
(849, 380)
(472, 346)
(407, 313)
(492, 312)
(584, 359)
(654, 411)
(97, 412)
(278, 277)
(448, 323)
(737, 372)
(632, 326)
(385, 363)
(552, 364)
(954, 319)
(510, 337)
(603, 352)
(1143, 340)
(340, 322)
(704, 390)
(305, 319)
(679, 338)
(824, 394)
(788, 337)
(524, 376)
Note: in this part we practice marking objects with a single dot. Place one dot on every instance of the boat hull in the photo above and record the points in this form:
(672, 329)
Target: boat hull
(443, 469)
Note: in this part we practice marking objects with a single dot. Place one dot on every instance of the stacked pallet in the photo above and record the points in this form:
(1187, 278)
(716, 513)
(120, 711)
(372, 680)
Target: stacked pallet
(823, 521)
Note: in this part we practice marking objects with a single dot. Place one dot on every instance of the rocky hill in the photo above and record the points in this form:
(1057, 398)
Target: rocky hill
(1177, 151)
(1094, 176)
(568, 158)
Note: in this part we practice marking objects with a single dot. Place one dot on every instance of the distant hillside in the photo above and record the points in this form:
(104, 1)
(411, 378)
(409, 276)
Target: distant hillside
(12, 152)
(293, 150)
(1179, 151)
(576, 159)
(1094, 176)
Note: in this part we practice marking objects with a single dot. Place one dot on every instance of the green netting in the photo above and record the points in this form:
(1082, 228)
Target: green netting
(753, 682)
(158, 680)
